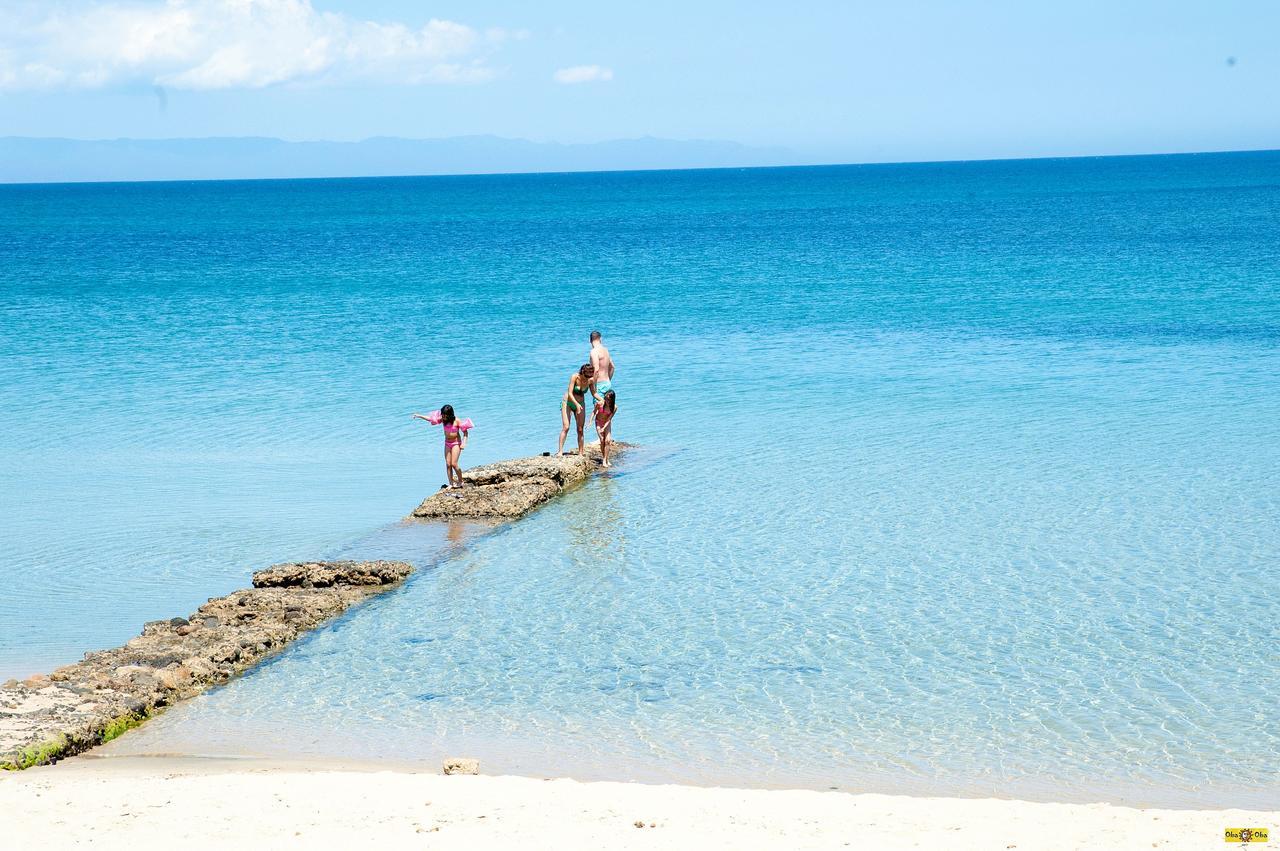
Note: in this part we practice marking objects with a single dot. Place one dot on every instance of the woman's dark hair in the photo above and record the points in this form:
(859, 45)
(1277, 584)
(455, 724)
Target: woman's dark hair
(446, 414)
(586, 369)
(611, 401)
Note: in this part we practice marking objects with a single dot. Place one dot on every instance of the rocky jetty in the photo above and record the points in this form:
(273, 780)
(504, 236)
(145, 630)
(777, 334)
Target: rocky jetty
(47, 717)
(508, 489)
(44, 718)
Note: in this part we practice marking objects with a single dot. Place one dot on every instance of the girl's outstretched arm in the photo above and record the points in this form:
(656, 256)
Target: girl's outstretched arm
(421, 417)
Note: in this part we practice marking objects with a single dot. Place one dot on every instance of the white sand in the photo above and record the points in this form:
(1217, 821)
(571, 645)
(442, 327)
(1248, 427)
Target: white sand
(141, 803)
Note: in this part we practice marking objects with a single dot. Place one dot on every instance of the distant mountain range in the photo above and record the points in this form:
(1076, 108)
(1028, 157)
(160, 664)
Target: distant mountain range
(52, 160)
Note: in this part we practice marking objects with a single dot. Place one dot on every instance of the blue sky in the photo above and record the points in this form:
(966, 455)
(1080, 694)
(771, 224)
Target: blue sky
(833, 81)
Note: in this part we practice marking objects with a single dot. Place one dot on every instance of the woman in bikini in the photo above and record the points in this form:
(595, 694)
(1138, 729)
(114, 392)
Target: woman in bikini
(574, 402)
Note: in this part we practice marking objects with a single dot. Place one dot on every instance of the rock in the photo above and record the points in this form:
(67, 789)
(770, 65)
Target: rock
(508, 489)
(508, 500)
(173, 678)
(63, 674)
(199, 668)
(144, 681)
(162, 659)
(461, 765)
(329, 574)
(48, 717)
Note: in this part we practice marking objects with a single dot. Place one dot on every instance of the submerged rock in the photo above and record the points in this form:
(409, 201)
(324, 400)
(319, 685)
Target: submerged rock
(45, 718)
(508, 489)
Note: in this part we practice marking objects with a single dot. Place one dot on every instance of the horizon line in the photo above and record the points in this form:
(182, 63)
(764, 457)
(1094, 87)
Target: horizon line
(425, 175)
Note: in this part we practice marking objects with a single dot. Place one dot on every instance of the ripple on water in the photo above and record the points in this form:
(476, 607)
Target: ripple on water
(969, 480)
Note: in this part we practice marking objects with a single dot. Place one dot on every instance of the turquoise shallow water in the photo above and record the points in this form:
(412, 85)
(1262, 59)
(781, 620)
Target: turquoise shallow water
(957, 479)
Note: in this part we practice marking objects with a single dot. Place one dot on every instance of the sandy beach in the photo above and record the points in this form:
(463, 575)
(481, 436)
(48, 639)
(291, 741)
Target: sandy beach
(140, 803)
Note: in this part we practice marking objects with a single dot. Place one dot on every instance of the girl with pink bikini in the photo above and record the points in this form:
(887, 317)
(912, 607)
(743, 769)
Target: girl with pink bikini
(604, 423)
(455, 440)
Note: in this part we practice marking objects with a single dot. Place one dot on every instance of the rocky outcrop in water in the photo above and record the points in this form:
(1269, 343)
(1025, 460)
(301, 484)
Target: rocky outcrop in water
(47, 717)
(508, 489)
(44, 718)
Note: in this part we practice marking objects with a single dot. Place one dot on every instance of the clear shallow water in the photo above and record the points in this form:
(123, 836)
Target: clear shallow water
(961, 478)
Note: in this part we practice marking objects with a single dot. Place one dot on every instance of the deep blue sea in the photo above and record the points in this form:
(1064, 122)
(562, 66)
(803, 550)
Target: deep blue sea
(957, 478)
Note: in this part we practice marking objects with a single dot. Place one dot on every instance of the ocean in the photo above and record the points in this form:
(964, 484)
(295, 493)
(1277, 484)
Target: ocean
(954, 478)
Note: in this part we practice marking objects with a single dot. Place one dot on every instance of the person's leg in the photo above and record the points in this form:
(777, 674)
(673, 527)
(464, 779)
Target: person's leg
(448, 466)
(457, 467)
(564, 427)
(605, 436)
(582, 422)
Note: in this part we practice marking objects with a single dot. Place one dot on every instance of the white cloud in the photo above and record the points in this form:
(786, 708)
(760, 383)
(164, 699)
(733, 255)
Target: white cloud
(224, 44)
(583, 74)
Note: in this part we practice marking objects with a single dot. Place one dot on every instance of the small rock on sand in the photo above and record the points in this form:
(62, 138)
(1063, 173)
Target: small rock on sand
(461, 765)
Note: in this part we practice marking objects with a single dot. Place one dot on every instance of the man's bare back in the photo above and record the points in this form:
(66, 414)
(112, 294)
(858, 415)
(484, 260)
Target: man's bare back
(601, 361)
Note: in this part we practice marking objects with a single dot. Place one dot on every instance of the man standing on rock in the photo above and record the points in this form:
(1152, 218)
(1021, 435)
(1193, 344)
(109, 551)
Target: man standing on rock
(602, 361)
(602, 364)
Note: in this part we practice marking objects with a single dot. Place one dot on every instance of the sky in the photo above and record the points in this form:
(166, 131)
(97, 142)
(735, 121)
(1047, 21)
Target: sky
(832, 81)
